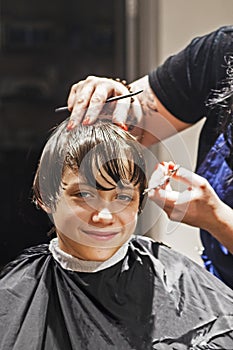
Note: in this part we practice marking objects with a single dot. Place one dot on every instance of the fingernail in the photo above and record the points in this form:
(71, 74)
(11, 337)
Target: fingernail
(86, 121)
(122, 125)
(70, 125)
(171, 166)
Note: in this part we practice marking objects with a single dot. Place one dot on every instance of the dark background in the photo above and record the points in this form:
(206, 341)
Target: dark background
(45, 46)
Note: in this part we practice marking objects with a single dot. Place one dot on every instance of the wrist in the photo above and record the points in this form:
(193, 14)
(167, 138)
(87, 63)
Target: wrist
(220, 225)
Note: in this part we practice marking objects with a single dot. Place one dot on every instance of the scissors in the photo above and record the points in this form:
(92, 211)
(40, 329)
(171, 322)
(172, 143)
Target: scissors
(111, 99)
(166, 179)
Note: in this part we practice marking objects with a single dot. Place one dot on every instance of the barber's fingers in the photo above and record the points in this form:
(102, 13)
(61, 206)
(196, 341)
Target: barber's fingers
(175, 204)
(117, 111)
(164, 197)
(134, 113)
(79, 99)
(160, 174)
(87, 99)
(189, 178)
(157, 176)
(120, 113)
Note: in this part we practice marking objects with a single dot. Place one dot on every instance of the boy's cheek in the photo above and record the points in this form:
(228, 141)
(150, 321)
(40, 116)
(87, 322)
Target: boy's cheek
(131, 221)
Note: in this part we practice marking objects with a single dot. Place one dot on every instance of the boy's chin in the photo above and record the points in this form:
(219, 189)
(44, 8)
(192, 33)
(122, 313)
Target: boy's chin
(91, 249)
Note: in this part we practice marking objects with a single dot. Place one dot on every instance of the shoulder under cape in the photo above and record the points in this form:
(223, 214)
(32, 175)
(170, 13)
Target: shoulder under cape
(155, 298)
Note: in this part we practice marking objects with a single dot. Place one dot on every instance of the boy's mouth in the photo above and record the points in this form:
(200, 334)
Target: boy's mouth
(102, 235)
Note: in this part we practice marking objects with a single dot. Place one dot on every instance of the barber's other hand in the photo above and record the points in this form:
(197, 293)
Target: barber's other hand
(196, 204)
(86, 102)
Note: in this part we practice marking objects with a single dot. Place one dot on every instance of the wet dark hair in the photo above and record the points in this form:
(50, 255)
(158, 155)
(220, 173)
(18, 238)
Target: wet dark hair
(102, 147)
(221, 101)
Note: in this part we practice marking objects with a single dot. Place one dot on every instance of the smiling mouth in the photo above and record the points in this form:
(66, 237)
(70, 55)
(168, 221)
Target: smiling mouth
(100, 235)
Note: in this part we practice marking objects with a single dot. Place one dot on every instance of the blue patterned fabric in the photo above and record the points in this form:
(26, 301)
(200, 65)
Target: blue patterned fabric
(217, 259)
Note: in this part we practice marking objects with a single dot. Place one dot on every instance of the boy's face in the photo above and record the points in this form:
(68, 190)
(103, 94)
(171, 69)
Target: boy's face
(92, 224)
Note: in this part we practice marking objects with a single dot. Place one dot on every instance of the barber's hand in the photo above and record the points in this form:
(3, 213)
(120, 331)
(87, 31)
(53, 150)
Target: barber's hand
(196, 204)
(87, 98)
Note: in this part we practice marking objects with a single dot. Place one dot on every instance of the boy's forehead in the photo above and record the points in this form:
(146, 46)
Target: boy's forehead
(73, 178)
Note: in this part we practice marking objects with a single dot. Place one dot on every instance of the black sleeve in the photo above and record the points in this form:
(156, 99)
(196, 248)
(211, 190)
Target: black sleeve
(185, 80)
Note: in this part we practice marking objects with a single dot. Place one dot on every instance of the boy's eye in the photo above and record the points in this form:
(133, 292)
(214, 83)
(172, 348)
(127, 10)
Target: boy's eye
(84, 194)
(125, 197)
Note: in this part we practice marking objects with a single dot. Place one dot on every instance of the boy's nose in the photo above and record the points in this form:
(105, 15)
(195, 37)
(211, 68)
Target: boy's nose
(103, 215)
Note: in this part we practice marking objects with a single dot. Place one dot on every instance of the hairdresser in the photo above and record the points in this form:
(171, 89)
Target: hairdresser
(195, 83)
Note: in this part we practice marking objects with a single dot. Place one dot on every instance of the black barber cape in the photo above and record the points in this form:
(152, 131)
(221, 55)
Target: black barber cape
(155, 298)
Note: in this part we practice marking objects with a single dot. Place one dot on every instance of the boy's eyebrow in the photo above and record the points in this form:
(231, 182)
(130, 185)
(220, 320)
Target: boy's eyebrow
(75, 185)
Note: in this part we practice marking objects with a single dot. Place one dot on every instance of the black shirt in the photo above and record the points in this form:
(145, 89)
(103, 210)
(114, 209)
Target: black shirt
(186, 80)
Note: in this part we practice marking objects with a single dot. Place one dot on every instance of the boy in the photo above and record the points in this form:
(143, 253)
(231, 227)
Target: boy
(97, 286)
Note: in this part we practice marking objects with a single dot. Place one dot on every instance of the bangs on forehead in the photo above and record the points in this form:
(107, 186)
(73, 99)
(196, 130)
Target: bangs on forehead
(107, 174)
(115, 163)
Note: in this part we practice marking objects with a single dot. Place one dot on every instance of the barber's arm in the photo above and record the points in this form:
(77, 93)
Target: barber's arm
(196, 205)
